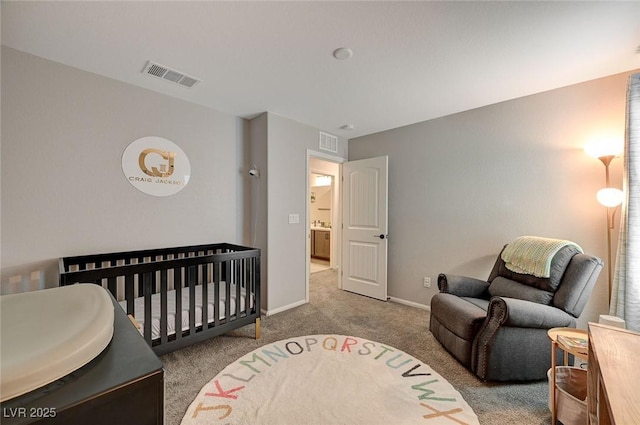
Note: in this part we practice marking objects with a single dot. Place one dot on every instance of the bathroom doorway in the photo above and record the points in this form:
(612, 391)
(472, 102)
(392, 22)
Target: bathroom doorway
(321, 215)
(324, 213)
(320, 163)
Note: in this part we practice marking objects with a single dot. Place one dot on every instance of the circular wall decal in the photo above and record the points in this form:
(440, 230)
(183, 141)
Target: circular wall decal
(156, 166)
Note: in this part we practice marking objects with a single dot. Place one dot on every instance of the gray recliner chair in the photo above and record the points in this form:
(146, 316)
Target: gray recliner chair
(498, 328)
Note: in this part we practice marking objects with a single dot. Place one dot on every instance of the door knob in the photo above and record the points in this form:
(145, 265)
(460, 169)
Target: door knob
(382, 236)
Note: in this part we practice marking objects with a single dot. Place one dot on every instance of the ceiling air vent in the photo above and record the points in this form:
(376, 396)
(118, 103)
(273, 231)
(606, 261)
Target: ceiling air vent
(169, 74)
(328, 142)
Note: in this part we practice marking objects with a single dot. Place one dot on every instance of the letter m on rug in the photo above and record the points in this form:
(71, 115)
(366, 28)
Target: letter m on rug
(254, 359)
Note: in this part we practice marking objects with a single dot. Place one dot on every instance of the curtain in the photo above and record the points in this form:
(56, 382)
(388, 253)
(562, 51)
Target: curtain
(625, 297)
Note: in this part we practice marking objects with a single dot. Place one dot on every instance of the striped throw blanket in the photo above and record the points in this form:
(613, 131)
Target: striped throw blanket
(532, 255)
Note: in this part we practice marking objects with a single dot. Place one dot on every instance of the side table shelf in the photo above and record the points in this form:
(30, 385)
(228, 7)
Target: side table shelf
(575, 409)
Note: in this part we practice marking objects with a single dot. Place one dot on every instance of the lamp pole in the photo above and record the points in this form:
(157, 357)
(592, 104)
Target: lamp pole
(606, 160)
(605, 151)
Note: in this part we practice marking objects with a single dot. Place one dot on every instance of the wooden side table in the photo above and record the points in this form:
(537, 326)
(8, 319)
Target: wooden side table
(577, 352)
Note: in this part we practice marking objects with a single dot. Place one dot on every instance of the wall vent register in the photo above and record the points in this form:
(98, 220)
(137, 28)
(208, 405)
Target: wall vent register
(328, 142)
(169, 74)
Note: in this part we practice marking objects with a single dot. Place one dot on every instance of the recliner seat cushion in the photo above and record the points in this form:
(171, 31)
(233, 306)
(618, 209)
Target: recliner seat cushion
(458, 315)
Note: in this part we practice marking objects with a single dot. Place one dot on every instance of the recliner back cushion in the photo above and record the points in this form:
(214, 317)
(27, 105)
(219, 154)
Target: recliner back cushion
(504, 287)
(579, 280)
(559, 264)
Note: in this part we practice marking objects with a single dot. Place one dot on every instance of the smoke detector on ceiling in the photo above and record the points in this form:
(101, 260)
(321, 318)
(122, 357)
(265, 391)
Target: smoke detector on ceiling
(342, 53)
(166, 73)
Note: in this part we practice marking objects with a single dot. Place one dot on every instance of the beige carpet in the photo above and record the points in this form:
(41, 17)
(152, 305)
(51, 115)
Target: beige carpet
(328, 379)
(332, 311)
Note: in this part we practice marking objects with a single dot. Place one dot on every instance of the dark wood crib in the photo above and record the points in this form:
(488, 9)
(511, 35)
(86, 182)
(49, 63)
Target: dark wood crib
(191, 293)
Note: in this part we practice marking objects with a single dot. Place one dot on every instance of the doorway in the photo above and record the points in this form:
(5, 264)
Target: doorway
(321, 208)
(323, 214)
(364, 269)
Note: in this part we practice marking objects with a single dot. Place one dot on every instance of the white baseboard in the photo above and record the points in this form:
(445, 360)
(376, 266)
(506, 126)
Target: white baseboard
(302, 302)
(284, 308)
(410, 303)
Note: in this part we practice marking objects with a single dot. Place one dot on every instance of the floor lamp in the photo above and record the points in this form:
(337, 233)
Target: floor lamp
(608, 196)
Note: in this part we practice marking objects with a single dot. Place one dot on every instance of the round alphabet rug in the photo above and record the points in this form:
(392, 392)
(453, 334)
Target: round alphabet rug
(326, 380)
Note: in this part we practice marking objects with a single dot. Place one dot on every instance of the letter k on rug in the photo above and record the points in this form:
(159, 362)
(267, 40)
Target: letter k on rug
(326, 380)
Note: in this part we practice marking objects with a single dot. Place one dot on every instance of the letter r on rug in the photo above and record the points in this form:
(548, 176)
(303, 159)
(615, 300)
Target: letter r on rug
(348, 342)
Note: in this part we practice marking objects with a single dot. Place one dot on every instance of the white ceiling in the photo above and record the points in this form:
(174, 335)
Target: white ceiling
(412, 61)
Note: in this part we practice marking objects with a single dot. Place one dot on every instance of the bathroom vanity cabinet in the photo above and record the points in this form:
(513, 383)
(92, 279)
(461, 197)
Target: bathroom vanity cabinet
(321, 244)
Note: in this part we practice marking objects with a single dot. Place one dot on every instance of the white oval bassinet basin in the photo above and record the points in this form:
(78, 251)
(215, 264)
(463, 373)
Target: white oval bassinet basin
(48, 334)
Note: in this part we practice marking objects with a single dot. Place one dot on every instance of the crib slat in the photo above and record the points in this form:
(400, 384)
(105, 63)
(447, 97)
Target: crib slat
(245, 286)
(177, 283)
(205, 297)
(148, 282)
(112, 286)
(248, 277)
(140, 285)
(256, 284)
(227, 291)
(216, 294)
(199, 280)
(129, 295)
(163, 307)
(237, 280)
(191, 277)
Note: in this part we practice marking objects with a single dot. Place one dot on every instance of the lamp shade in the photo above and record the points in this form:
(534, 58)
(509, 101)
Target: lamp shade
(602, 147)
(610, 197)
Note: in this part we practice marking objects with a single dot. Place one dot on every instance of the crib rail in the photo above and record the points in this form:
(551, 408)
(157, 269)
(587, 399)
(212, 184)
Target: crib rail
(233, 270)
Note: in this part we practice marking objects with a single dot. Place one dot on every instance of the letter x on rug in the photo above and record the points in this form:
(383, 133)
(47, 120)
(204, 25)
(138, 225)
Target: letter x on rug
(326, 380)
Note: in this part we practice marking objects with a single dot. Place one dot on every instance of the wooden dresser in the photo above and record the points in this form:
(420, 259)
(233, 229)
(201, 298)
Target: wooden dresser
(613, 376)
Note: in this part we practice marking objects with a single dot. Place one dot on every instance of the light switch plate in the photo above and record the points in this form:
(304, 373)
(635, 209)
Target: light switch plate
(294, 218)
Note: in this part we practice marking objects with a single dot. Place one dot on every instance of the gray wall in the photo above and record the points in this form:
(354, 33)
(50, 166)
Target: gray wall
(63, 190)
(463, 185)
(258, 192)
(284, 177)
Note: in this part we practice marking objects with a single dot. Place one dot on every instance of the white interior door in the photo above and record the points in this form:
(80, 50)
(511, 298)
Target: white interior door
(364, 236)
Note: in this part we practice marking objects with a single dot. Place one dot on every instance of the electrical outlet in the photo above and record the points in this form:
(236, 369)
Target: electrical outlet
(427, 282)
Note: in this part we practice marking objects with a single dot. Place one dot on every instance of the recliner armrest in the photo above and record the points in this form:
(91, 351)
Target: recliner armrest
(463, 286)
(515, 329)
(517, 313)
